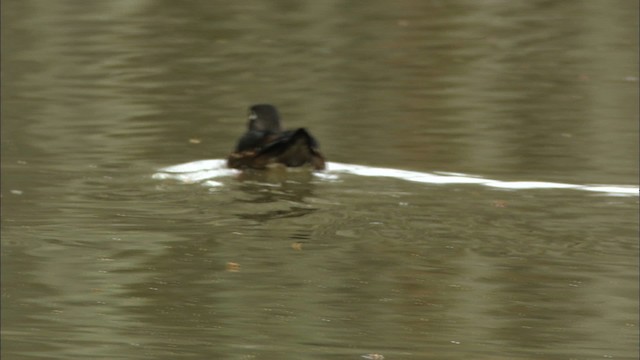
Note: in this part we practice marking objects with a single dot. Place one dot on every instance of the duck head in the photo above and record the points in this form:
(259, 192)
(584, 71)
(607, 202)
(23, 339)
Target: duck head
(264, 118)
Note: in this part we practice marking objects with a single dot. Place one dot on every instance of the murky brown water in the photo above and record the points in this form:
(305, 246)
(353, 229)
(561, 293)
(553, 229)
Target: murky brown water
(101, 260)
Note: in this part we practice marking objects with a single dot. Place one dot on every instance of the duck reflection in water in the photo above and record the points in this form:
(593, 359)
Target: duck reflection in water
(266, 145)
(265, 201)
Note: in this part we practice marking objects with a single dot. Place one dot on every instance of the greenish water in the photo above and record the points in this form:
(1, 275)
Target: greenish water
(100, 259)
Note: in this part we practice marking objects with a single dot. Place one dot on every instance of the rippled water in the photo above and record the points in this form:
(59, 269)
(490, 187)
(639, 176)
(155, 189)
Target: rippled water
(204, 171)
(481, 199)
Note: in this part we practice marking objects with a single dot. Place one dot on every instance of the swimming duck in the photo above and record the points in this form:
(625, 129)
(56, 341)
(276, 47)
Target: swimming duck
(265, 143)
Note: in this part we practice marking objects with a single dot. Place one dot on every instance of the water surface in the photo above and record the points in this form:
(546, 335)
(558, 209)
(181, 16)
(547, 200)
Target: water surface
(530, 106)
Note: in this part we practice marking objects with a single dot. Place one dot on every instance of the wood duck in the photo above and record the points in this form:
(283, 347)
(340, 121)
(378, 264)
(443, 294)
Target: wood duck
(265, 143)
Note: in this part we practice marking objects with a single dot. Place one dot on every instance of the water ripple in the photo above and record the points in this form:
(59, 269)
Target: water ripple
(203, 171)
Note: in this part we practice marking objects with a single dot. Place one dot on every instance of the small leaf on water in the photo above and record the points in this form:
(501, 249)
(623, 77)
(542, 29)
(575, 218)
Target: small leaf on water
(233, 267)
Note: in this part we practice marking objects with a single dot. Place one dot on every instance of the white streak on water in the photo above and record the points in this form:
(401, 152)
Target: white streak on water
(203, 171)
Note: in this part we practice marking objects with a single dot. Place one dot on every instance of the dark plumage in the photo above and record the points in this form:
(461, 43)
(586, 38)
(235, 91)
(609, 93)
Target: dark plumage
(265, 143)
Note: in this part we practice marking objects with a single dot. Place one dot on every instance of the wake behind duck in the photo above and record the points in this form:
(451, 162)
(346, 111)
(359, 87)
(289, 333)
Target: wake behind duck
(206, 171)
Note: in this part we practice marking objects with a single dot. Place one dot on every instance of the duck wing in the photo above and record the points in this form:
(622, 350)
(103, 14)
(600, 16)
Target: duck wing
(293, 148)
(290, 148)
